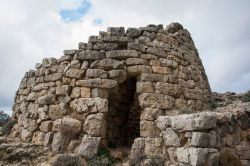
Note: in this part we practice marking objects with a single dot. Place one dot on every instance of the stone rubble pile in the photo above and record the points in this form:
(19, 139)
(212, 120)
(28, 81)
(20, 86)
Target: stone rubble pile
(84, 99)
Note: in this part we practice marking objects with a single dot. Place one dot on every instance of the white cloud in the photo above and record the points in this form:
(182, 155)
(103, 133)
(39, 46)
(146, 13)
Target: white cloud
(32, 29)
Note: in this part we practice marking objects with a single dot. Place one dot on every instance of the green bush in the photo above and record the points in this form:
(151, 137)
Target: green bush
(7, 127)
(213, 104)
(103, 158)
(66, 160)
(246, 97)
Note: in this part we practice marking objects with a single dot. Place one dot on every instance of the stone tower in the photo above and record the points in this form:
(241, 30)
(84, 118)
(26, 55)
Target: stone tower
(111, 90)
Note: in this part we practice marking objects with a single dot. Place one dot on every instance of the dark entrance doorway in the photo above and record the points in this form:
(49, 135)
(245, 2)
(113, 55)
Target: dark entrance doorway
(123, 120)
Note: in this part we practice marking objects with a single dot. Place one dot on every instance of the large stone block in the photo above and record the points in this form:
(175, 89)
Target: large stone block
(118, 75)
(88, 147)
(148, 129)
(150, 114)
(194, 122)
(106, 46)
(138, 69)
(46, 126)
(156, 101)
(171, 138)
(133, 32)
(157, 52)
(95, 125)
(63, 90)
(137, 46)
(56, 112)
(58, 142)
(144, 87)
(168, 89)
(107, 64)
(122, 54)
(161, 70)
(116, 31)
(96, 73)
(119, 39)
(205, 140)
(53, 77)
(90, 55)
(74, 73)
(71, 125)
(46, 100)
(93, 105)
(195, 156)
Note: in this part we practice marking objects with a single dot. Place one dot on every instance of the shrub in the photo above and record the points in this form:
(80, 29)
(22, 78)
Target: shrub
(246, 97)
(66, 160)
(4, 118)
(213, 104)
(7, 127)
(103, 158)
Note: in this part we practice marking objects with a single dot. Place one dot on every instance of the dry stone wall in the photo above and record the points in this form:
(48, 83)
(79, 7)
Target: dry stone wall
(84, 99)
(207, 138)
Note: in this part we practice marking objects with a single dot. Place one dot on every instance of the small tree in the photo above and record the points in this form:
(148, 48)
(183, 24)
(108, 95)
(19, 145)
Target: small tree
(4, 118)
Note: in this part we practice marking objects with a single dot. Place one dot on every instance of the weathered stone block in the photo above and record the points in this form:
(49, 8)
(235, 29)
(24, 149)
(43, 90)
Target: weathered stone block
(138, 69)
(46, 100)
(96, 73)
(105, 46)
(188, 122)
(63, 90)
(136, 61)
(76, 92)
(116, 31)
(90, 55)
(133, 32)
(69, 52)
(46, 126)
(53, 77)
(204, 140)
(74, 73)
(70, 125)
(168, 89)
(97, 92)
(156, 101)
(118, 75)
(55, 112)
(122, 54)
(144, 87)
(150, 114)
(88, 147)
(107, 64)
(85, 92)
(171, 138)
(163, 122)
(95, 125)
(93, 105)
(157, 52)
(148, 129)
(161, 70)
(137, 46)
(58, 142)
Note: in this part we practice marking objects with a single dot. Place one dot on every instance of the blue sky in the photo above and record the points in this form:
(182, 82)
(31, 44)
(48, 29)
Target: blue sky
(31, 30)
(75, 14)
